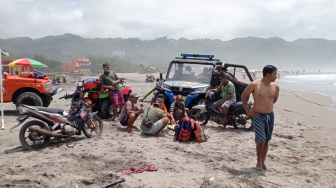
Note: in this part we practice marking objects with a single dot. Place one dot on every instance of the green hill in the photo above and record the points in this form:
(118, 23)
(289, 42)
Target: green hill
(127, 54)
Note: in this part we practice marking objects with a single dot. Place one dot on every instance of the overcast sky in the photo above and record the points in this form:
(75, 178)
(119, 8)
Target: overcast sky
(150, 19)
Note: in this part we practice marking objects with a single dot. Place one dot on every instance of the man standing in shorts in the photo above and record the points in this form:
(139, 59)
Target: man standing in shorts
(265, 93)
(228, 95)
(110, 80)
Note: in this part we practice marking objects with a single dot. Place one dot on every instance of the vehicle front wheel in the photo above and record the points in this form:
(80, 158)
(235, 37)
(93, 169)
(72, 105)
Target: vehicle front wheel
(93, 126)
(153, 98)
(29, 98)
(106, 109)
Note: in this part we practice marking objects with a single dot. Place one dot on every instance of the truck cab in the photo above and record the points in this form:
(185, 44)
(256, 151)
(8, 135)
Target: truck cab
(190, 75)
(26, 88)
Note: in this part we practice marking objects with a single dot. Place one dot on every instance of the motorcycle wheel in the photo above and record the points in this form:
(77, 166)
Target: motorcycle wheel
(93, 126)
(201, 118)
(32, 140)
(245, 121)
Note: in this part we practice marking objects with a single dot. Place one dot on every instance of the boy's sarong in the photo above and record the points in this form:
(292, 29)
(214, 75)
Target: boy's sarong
(117, 97)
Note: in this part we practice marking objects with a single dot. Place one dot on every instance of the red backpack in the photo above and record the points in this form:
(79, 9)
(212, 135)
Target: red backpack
(184, 130)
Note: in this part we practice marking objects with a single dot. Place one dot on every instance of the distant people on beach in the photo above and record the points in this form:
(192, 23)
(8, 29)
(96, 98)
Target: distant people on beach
(254, 74)
(265, 93)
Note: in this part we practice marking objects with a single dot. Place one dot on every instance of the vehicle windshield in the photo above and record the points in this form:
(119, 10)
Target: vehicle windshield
(190, 72)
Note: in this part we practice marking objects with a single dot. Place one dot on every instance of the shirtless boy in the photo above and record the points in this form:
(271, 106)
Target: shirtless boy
(265, 93)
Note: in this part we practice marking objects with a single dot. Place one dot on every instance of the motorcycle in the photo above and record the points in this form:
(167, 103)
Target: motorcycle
(99, 97)
(208, 111)
(57, 123)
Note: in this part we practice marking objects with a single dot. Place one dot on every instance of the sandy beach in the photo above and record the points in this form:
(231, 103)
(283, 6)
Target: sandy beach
(302, 152)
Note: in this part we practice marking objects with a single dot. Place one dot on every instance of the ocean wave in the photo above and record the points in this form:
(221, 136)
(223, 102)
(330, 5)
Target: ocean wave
(316, 78)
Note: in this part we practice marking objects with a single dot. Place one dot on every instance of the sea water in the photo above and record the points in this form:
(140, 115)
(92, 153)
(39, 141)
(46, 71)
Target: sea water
(324, 84)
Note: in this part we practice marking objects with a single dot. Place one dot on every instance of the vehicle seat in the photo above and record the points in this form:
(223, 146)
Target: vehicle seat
(51, 110)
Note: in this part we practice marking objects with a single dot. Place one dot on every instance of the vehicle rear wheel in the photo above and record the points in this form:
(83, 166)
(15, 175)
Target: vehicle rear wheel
(33, 140)
(106, 109)
(29, 98)
(93, 126)
(245, 121)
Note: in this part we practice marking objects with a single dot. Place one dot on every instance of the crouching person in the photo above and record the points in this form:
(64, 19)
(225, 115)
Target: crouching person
(178, 110)
(130, 112)
(157, 116)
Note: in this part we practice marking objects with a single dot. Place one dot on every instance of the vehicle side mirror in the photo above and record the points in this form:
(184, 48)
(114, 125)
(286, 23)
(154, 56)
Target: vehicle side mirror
(59, 90)
(160, 76)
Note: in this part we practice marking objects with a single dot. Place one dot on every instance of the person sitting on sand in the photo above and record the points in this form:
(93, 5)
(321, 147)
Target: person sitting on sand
(163, 106)
(178, 110)
(155, 114)
(130, 112)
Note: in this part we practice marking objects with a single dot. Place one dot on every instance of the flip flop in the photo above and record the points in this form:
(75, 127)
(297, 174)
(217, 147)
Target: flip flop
(133, 170)
(151, 168)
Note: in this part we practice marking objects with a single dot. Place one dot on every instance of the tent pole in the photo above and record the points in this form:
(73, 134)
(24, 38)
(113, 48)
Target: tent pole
(2, 90)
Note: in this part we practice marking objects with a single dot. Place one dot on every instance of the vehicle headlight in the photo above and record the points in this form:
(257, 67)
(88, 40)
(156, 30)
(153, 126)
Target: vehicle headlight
(48, 86)
(200, 89)
(165, 86)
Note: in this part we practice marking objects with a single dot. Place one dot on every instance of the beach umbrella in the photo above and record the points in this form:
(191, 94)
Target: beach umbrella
(27, 63)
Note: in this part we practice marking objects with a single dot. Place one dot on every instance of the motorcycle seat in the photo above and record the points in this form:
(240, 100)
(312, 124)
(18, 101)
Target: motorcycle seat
(51, 110)
(236, 105)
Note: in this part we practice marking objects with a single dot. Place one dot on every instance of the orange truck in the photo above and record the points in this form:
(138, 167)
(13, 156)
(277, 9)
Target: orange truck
(28, 89)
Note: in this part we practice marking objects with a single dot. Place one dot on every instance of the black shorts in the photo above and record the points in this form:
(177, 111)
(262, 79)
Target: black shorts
(124, 121)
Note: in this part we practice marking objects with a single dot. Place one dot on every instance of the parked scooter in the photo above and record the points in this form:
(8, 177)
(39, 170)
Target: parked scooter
(236, 113)
(56, 123)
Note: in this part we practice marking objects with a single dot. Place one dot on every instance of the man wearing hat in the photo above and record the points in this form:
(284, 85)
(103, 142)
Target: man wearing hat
(109, 80)
(155, 114)
(178, 109)
(130, 112)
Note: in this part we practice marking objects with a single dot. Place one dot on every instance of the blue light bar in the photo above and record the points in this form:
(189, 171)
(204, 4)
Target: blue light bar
(210, 56)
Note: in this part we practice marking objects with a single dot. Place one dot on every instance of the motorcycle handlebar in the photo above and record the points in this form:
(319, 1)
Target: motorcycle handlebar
(67, 96)
(122, 80)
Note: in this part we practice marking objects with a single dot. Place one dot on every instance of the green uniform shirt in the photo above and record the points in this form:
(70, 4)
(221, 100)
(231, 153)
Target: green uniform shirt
(107, 79)
(226, 89)
(174, 107)
(154, 114)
